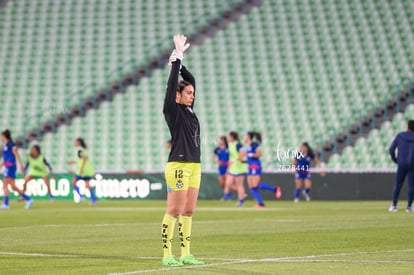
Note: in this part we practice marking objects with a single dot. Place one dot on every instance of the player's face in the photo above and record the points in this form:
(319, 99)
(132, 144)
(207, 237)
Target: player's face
(303, 149)
(230, 138)
(186, 97)
(247, 139)
(34, 153)
(76, 143)
(3, 139)
(221, 142)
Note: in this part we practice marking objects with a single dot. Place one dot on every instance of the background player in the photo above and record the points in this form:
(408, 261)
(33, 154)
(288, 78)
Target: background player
(237, 168)
(183, 169)
(10, 155)
(254, 153)
(38, 165)
(221, 157)
(403, 143)
(85, 170)
(302, 164)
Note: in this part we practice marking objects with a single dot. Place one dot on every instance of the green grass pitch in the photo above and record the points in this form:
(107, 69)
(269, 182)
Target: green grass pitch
(123, 237)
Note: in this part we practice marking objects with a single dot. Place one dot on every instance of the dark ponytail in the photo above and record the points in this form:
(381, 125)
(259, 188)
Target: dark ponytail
(7, 134)
(310, 150)
(235, 136)
(255, 135)
(82, 142)
(258, 137)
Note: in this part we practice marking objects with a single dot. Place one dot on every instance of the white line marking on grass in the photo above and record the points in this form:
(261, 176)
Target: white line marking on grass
(293, 259)
(308, 258)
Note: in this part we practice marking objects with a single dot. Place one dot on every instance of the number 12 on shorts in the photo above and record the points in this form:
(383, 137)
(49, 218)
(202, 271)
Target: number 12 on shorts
(178, 174)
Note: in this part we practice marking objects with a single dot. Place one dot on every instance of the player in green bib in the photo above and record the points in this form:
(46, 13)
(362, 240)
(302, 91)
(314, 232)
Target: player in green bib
(37, 168)
(237, 169)
(85, 170)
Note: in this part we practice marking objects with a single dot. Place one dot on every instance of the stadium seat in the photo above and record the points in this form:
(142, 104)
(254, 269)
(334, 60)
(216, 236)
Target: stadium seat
(295, 70)
(373, 151)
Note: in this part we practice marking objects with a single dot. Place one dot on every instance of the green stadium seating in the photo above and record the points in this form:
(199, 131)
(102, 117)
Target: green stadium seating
(294, 70)
(372, 152)
(51, 49)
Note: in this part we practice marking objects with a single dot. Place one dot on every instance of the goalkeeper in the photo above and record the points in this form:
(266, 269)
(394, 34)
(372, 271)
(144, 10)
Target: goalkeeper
(183, 170)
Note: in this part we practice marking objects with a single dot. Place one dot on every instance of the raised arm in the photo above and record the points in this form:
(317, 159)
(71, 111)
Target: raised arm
(175, 61)
(187, 76)
(169, 101)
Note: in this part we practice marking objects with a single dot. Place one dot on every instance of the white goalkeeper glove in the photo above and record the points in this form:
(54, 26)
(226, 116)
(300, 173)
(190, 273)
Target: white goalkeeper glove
(174, 56)
(180, 47)
(179, 41)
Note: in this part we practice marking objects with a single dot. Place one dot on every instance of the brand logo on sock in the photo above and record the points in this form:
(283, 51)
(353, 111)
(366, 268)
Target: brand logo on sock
(164, 236)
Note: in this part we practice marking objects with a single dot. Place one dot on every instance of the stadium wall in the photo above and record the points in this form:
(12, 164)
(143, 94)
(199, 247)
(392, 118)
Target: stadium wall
(334, 186)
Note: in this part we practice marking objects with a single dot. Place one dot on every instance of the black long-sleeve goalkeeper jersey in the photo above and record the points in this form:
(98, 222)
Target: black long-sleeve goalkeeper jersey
(181, 120)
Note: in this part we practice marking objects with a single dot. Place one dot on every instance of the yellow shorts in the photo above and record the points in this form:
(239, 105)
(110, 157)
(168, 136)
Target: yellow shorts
(182, 175)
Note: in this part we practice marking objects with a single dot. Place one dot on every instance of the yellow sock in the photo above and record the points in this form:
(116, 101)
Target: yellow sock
(184, 229)
(167, 229)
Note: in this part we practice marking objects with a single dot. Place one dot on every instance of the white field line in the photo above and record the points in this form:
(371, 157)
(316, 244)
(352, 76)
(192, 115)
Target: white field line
(309, 258)
(303, 259)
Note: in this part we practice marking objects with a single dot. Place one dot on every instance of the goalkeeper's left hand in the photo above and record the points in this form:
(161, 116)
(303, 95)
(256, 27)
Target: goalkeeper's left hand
(179, 42)
(180, 47)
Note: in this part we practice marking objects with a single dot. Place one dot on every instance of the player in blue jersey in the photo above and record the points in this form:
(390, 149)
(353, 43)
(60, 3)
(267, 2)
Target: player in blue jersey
(254, 153)
(302, 163)
(221, 157)
(10, 155)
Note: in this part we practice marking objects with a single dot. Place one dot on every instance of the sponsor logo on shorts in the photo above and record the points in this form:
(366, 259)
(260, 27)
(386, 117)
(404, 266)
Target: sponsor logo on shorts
(179, 184)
